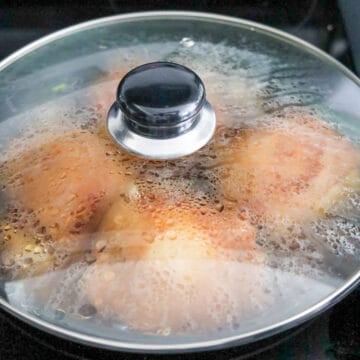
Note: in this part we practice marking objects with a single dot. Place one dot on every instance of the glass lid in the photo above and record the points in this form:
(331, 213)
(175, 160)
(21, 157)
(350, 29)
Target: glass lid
(250, 226)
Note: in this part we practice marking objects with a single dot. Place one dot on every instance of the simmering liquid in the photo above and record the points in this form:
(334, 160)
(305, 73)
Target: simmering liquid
(229, 238)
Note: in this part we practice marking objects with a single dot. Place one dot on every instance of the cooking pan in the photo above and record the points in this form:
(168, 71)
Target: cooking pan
(176, 181)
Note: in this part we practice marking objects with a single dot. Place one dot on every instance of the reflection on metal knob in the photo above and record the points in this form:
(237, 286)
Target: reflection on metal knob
(161, 112)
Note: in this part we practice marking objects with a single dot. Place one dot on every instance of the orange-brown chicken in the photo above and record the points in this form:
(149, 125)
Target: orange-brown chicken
(68, 182)
(104, 95)
(297, 168)
(172, 268)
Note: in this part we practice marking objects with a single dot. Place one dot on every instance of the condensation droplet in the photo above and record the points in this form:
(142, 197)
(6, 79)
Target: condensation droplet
(187, 42)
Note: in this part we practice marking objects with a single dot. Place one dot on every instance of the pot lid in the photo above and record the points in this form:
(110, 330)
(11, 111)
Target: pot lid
(243, 224)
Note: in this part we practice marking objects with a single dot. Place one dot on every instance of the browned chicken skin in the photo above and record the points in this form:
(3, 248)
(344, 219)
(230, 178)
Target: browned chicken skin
(68, 182)
(165, 267)
(298, 168)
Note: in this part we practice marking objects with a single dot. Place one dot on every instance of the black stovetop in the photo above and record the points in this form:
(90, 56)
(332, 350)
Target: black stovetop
(333, 335)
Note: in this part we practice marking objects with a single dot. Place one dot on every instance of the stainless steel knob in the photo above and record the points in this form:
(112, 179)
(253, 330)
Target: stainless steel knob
(161, 112)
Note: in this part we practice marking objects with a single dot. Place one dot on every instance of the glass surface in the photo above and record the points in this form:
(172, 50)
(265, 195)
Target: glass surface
(257, 227)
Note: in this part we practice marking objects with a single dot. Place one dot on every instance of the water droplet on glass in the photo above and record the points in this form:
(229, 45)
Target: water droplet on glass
(87, 310)
(187, 42)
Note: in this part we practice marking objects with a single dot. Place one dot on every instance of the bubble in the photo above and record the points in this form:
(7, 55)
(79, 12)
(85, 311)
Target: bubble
(187, 42)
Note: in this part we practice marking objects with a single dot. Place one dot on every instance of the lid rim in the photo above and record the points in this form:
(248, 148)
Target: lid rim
(251, 25)
(220, 343)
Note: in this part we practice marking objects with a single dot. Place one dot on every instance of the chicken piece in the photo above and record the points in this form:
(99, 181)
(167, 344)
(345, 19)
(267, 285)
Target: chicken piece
(27, 250)
(297, 169)
(68, 182)
(104, 95)
(148, 216)
(26, 255)
(231, 95)
(159, 270)
(22, 256)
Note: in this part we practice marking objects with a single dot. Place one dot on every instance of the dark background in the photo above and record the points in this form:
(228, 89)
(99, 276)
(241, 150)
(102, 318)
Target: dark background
(317, 21)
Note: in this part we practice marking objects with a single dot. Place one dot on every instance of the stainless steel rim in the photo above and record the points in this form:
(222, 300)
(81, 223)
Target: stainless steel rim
(200, 345)
(166, 149)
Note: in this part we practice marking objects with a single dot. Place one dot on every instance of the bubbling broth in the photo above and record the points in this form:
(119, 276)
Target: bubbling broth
(235, 232)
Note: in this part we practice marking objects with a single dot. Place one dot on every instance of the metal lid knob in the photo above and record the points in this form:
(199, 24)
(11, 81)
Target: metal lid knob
(161, 112)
